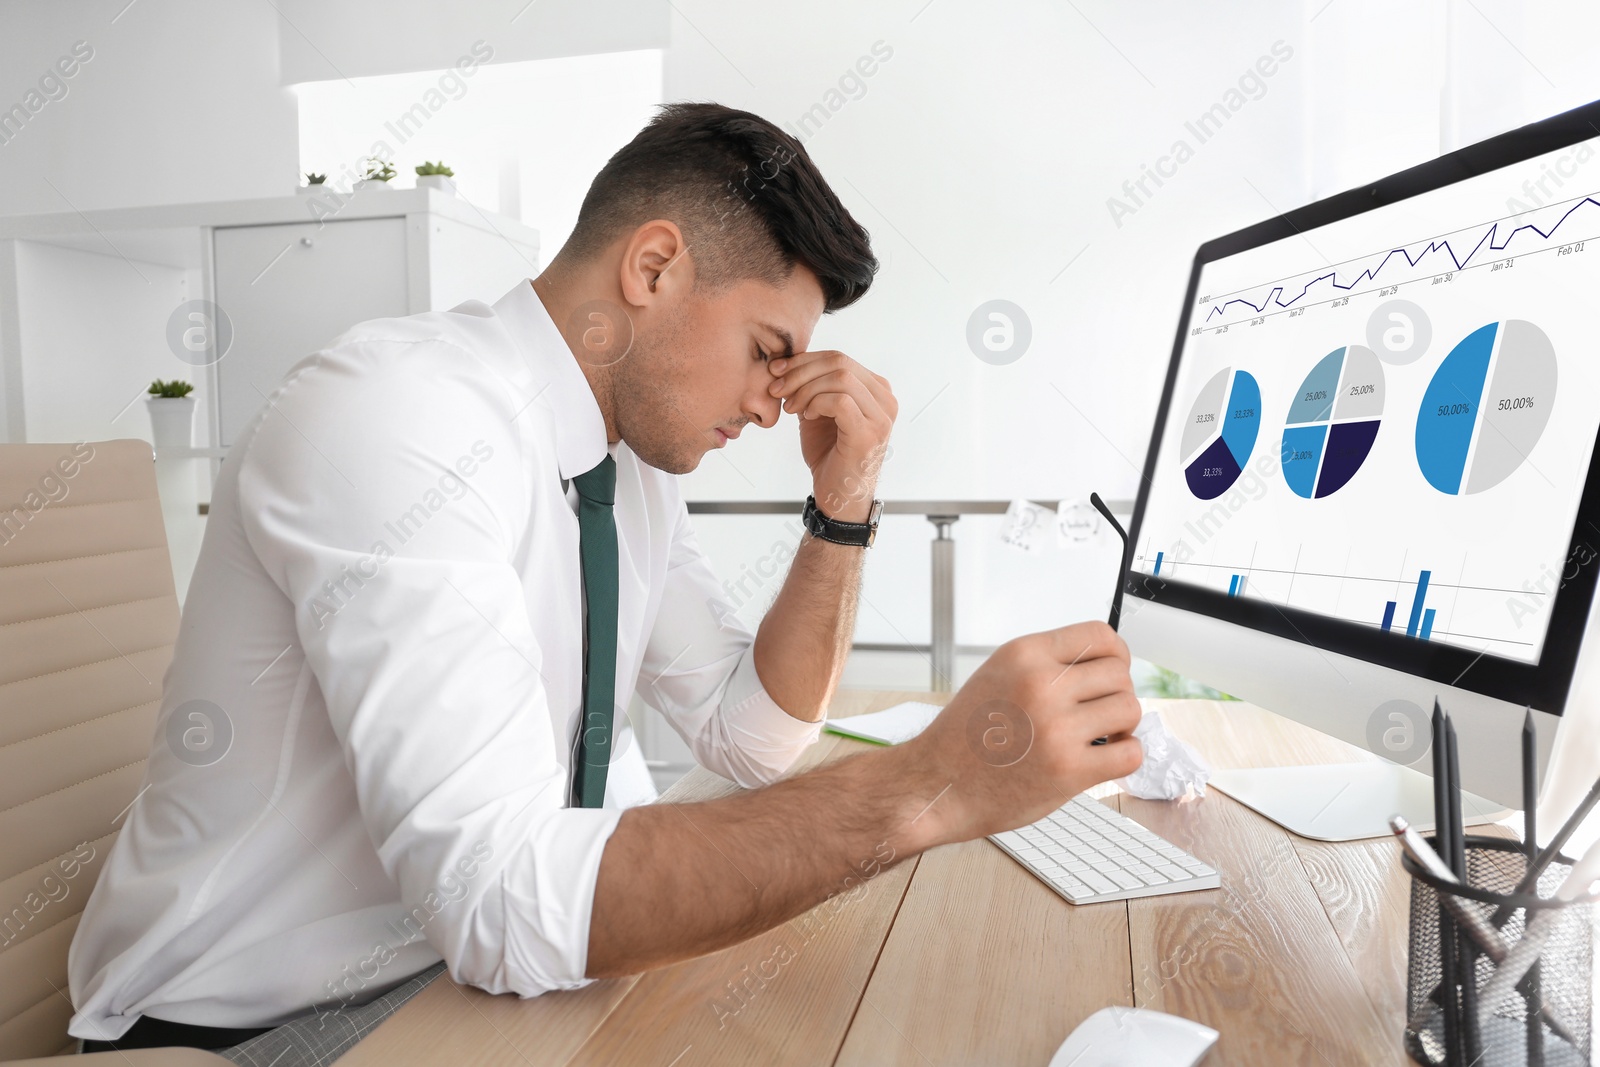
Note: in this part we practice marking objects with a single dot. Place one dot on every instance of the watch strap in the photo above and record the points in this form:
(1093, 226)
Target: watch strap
(859, 534)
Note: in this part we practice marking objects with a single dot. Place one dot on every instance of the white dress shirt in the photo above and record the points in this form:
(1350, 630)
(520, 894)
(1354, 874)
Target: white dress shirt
(385, 627)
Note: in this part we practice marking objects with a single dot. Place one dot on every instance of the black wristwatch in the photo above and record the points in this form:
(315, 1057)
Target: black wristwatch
(860, 534)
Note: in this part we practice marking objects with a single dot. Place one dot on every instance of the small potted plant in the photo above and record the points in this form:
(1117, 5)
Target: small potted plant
(436, 176)
(314, 180)
(171, 414)
(376, 173)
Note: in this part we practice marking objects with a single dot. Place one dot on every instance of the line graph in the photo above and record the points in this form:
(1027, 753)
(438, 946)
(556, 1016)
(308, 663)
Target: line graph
(1481, 241)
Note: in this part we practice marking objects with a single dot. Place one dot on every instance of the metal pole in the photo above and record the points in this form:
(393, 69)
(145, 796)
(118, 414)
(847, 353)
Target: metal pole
(943, 604)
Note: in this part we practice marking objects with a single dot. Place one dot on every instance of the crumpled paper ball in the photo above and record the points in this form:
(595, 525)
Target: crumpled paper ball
(1171, 770)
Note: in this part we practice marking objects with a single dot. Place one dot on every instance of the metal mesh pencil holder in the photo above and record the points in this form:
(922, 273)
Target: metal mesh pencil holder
(1547, 1022)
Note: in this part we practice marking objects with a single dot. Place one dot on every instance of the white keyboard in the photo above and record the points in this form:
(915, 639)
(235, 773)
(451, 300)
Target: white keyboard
(1088, 853)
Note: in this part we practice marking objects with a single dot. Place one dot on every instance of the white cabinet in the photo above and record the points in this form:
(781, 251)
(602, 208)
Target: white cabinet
(93, 305)
(287, 290)
(88, 300)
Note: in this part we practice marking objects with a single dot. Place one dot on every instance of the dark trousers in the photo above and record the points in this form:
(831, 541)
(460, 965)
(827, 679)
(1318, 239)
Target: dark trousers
(150, 1032)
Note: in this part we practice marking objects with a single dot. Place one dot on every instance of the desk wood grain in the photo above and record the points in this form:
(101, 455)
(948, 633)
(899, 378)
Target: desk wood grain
(962, 957)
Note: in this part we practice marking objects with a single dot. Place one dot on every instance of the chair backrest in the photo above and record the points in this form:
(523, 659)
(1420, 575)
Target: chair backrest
(88, 617)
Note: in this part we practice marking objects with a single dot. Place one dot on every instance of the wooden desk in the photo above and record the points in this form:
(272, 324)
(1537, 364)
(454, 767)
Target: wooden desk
(961, 956)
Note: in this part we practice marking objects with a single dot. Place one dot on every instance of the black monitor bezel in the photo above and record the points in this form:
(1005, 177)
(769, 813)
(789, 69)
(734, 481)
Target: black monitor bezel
(1543, 685)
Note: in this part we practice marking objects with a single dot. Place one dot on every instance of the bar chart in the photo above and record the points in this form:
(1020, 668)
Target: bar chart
(1420, 623)
(1458, 598)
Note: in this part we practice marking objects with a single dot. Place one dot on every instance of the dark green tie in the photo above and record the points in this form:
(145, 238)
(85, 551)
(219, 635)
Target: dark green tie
(597, 551)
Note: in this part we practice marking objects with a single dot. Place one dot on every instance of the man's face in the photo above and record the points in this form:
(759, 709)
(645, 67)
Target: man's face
(697, 372)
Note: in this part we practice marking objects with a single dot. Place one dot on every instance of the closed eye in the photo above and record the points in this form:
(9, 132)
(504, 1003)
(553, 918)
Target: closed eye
(761, 354)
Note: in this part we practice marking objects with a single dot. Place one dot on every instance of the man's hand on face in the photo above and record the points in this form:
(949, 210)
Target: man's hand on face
(846, 413)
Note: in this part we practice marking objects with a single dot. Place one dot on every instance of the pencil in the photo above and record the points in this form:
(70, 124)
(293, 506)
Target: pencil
(1530, 881)
(1451, 1007)
(1530, 848)
(1467, 961)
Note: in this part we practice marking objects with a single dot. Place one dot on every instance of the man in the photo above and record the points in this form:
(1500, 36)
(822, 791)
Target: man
(440, 559)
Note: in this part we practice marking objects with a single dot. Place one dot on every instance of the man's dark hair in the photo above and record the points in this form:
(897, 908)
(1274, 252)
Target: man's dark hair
(746, 195)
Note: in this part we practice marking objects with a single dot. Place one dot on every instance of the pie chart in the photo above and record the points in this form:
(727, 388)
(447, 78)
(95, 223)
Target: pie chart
(1486, 407)
(1333, 421)
(1220, 433)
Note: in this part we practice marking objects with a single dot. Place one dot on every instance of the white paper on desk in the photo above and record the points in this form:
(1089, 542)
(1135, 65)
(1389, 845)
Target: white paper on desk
(1171, 769)
(891, 726)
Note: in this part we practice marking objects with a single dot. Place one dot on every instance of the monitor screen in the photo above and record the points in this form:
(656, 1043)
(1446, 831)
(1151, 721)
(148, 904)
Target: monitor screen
(1379, 423)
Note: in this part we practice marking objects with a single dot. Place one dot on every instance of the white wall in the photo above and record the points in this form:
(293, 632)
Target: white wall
(356, 38)
(1513, 62)
(179, 102)
(981, 156)
(1392, 84)
(524, 138)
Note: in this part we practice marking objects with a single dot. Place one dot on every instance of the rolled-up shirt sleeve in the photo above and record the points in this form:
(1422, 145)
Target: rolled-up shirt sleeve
(699, 671)
(387, 506)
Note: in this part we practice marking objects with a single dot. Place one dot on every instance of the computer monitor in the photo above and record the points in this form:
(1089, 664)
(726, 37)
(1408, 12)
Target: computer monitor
(1372, 479)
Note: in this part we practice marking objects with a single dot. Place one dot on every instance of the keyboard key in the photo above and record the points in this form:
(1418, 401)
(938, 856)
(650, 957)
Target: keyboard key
(1124, 879)
(1098, 882)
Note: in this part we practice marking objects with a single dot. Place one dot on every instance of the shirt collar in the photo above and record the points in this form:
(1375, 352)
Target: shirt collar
(558, 382)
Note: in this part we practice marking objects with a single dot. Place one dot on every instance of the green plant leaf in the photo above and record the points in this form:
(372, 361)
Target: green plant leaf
(174, 389)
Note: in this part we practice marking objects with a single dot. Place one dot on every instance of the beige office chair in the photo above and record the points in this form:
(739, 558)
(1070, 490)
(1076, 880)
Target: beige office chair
(88, 617)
